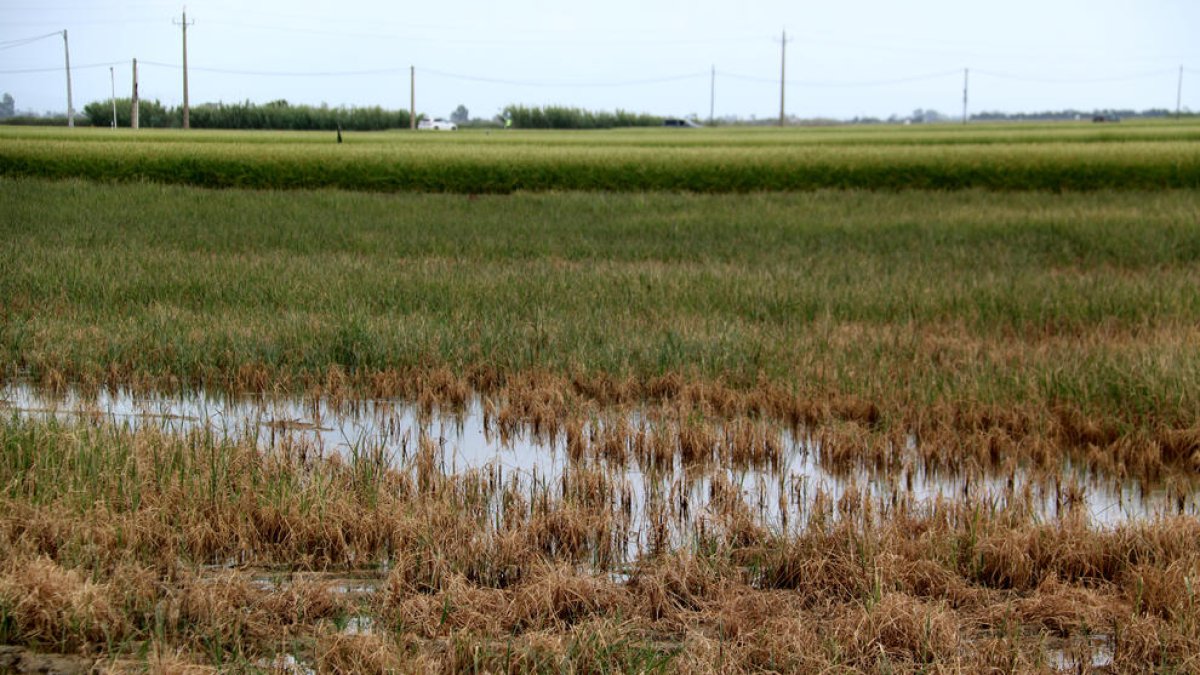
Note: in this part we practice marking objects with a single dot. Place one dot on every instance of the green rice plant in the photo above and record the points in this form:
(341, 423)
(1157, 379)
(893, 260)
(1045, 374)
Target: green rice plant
(712, 161)
(1080, 300)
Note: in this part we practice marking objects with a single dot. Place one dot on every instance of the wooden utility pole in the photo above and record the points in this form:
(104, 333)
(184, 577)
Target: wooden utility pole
(782, 77)
(966, 79)
(133, 110)
(712, 95)
(70, 104)
(1179, 95)
(412, 97)
(112, 82)
(186, 107)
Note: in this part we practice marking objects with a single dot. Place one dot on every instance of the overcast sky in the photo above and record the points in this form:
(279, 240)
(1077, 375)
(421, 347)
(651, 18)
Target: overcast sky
(844, 59)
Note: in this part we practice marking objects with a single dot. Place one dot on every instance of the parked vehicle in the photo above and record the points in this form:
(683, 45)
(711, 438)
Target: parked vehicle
(437, 124)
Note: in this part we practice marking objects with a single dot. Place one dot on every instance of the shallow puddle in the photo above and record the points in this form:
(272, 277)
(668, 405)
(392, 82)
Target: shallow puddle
(285, 664)
(1082, 655)
(779, 489)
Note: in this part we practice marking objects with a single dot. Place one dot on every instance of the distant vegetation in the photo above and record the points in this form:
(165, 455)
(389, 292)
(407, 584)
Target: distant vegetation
(561, 117)
(151, 114)
(1072, 114)
(277, 115)
(31, 120)
(282, 115)
(922, 116)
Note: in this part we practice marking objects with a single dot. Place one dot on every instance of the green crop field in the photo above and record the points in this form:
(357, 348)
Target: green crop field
(909, 300)
(1000, 302)
(998, 157)
(1032, 295)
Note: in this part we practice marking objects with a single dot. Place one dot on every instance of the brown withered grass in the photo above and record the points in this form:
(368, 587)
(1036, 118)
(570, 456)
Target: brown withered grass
(148, 551)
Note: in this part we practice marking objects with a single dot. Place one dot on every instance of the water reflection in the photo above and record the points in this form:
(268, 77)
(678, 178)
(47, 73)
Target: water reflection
(777, 472)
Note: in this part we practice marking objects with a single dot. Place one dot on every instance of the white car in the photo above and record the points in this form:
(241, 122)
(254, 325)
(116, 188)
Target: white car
(438, 124)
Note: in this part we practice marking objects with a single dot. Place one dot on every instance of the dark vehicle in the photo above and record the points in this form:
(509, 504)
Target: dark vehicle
(1106, 118)
(675, 122)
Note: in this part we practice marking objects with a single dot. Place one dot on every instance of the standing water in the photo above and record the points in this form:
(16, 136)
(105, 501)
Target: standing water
(778, 492)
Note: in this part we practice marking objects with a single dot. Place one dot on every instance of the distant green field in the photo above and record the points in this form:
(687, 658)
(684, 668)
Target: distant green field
(1054, 157)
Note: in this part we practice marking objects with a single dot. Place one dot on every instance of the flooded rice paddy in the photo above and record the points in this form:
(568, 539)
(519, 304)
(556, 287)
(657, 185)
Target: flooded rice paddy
(778, 480)
(649, 466)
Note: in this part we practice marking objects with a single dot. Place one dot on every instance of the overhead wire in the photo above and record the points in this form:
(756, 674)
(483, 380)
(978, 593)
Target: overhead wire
(846, 84)
(841, 84)
(482, 41)
(21, 42)
(567, 84)
(837, 84)
(436, 73)
(276, 73)
(1056, 80)
(56, 69)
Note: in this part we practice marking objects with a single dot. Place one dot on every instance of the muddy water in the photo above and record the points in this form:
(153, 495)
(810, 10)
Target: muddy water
(779, 495)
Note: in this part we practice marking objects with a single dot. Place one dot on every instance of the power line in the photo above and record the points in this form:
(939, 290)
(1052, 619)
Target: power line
(533, 83)
(1093, 80)
(848, 84)
(483, 41)
(79, 22)
(92, 7)
(436, 73)
(278, 73)
(842, 84)
(23, 71)
(21, 42)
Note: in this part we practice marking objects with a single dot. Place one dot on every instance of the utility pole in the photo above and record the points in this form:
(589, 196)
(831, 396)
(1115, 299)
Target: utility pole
(112, 81)
(782, 76)
(70, 105)
(412, 98)
(133, 110)
(186, 108)
(1179, 95)
(966, 80)
(712, 95)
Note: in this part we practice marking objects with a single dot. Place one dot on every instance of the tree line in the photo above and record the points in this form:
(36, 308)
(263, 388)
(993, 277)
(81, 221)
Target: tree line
(279, 115)
(563, 117)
